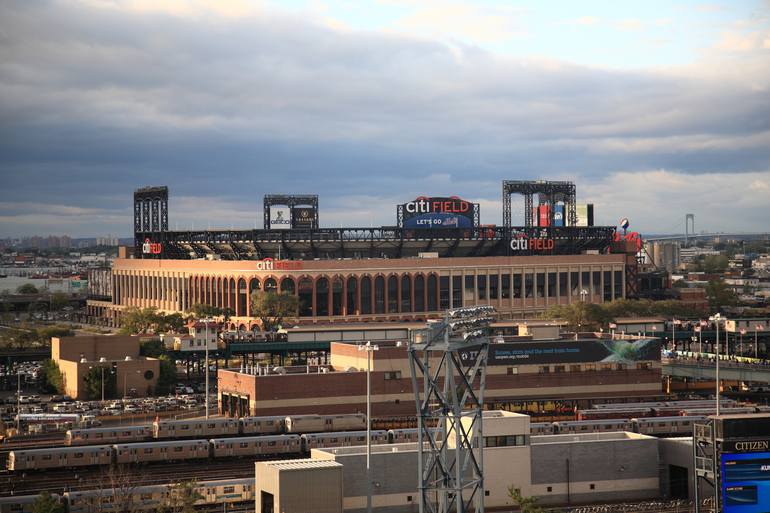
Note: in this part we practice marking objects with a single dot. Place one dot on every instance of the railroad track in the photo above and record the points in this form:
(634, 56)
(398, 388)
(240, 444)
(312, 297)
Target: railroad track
(126, 476)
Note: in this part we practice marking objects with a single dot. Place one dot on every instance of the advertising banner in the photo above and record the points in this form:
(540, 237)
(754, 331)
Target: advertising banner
(558, 215)
(439, 212)
(302, 217)
(746, 482)
(581, 211)
(577, 351)
(280, 218)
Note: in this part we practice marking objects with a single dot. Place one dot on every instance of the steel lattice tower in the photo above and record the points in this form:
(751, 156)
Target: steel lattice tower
(450, 358)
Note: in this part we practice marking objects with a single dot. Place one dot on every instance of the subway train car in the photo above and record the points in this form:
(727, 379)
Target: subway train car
(591, 426)
(405, 436)
(21, 503)
(255, 446)
(262, 425)
(61, 457)
(176, 429)
(177, 450)
(666, 425)
(108, 435)
(153, 498)
(324, 423)
(341, 439)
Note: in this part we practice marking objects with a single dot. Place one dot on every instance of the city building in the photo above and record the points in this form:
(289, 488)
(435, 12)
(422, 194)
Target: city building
(664, 255)
(117, 355)
(554, 469)
(541, 376)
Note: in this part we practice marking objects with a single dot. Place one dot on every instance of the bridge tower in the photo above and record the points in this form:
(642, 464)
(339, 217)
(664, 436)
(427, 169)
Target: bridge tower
(448, 359)
(688, 218)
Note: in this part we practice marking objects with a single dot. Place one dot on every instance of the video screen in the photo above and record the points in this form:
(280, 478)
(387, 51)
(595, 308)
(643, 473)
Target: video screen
(746, 482)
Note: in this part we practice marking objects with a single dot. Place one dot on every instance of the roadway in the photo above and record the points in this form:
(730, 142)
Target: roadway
(706, 369)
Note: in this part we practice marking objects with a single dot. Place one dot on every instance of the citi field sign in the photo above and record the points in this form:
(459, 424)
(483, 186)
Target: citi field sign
(438, 212)
(520, 243)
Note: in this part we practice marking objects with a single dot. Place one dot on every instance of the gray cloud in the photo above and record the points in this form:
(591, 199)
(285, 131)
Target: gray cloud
(97, 101)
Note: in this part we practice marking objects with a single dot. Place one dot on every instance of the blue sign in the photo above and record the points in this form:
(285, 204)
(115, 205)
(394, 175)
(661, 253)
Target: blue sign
(746, 482)
(438, 220)
(558, 215)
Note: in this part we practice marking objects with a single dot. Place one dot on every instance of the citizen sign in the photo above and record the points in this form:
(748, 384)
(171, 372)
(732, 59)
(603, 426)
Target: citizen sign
(268, 264)
(524, 244)
(752, 445)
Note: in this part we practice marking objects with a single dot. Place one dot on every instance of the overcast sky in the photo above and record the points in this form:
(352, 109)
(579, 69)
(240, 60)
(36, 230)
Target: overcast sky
(654, 108)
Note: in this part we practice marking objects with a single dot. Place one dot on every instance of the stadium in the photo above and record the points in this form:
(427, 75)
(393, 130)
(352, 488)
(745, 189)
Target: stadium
(436, 256)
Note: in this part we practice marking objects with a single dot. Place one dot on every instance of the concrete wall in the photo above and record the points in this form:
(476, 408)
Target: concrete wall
(300, 486)
(131, 373)
(94, 347)
(602, 467)
(678, 452)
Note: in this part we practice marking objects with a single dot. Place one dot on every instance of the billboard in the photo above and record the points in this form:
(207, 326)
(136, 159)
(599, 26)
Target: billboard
(302, 217)
(280, 218)
(572, 351)
(558, 215)
(585, 214)
(746, 482)
(438, 212)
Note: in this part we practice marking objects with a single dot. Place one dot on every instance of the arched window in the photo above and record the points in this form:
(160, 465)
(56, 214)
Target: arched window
(351, 299)
(287, 286)
(366, 295)
(432, 293)
(392, 294)
(208, 290)
(305, 289)
(379, 295)
(322, 297)
(253, 286)
(231, 291)
(406, 293)
(271, 285)
(337, 296)
(243, 297)
(419, 293)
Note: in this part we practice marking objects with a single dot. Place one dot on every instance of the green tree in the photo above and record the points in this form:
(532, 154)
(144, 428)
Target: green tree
(27, 288)
(52, 380)
(58, 301)
(199, 311)
(25, 339)
(181, 498)
(45, 503)
(272, 309)
(719, 295)
(46, 334)
(137, 321)
(152, 348)
(526, 504)
(174, 322)
(167, 375)
(715, 263)
(93, 382)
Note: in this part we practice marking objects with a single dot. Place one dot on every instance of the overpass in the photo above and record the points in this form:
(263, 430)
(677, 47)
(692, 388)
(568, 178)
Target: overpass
(729, 235)
(705, 369)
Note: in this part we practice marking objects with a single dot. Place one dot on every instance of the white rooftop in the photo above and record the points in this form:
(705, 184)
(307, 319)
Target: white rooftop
(304, 464)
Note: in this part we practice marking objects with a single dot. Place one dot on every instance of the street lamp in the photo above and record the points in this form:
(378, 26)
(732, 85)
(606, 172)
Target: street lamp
(101, 367)
(583, 294)
(715, 319)
(369, 348)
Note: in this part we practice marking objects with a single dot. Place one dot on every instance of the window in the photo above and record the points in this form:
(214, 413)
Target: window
(271, 443)
(178, 449)
(590, 366)
(505, 286)
(46, 456)
(148, 450)
(457, 291)
(493, 289)
(574, 368)
(392, 294)
(393, 375)
(379, 295)
(228, 489)
(621, 366)
(244, 445)
(78, 455)
(574, 279)
(432, 291)
(597, 282)
(528, 285)
(512, 370)
(544, 369)
(419, 293)
(618, 284)
(550, 488)
(443, 292)
(366, 295)
(551, 284)
(408, 498)
(540, 292)
(517, 286)
(559, 368)
(607, 285)
(593, 486)
(643, 366)
(481, 286)
(321, 296)
(563, 287)
(606, 367)
(470, 287)
(486, 493)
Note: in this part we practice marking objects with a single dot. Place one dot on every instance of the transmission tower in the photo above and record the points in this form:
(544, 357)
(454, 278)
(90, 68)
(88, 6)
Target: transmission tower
(450, 358)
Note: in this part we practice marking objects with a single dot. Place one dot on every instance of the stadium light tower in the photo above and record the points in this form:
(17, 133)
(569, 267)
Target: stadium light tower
(450, 357)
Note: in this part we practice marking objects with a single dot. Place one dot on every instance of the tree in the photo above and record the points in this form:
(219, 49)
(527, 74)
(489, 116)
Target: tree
(45, 503)
(719, 295)
(46, 334)
(526, 504)
(199, 311)
(167, 375)
(272, 308)
(27, 288)
(52, 380)
(58, 301)
(181, 498)
(152, 348)
(25, 339)
(93, 382)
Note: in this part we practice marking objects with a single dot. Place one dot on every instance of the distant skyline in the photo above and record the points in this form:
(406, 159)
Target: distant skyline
(654, 109)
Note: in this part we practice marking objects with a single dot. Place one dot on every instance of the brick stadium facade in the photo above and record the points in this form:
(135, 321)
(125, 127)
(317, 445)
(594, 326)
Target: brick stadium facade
(367, 289)
(343, 388)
